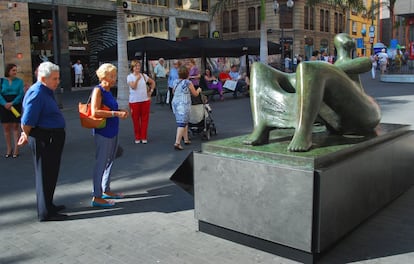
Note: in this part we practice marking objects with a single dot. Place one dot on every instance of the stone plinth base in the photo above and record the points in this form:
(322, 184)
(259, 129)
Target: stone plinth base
(299, 201)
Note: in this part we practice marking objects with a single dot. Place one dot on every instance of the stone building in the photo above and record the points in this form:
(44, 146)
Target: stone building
(14, 29)
(83, 28)
(300, 29)
(363, 27)
(66, 30)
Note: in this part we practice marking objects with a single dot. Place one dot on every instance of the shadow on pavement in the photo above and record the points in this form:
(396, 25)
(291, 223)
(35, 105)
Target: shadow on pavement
(166, 199)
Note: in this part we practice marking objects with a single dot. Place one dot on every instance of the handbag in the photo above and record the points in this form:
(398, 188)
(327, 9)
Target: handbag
(86, 118)
(149, 93)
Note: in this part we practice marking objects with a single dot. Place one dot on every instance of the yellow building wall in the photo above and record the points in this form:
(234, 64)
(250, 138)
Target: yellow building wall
(359, 20)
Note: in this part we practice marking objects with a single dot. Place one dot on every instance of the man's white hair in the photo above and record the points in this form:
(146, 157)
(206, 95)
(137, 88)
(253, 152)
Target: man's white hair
(45, 69)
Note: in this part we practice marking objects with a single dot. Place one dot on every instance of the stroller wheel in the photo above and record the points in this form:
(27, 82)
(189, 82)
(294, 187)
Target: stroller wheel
(207, 134)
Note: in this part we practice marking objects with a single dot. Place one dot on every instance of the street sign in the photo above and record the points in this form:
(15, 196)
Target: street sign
(360, 43)
(371, 31)
(216, 34)
(371, 40)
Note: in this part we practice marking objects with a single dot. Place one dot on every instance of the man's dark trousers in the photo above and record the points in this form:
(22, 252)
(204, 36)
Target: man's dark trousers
(47, 146)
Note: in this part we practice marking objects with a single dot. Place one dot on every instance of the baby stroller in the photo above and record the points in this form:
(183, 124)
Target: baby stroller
(201, 121)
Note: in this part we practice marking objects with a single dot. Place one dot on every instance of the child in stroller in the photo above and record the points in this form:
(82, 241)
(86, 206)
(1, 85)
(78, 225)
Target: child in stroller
(201, 121)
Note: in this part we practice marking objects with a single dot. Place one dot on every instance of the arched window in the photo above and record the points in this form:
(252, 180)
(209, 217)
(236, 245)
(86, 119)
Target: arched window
(139, 29)
(161, 22)
(179, 23)
(235, 20)
(226, 22)
(322, 20)
(327, 20)
(285, 17)
(144, 28)
(150, 26)
(251, 13)
(156, 28)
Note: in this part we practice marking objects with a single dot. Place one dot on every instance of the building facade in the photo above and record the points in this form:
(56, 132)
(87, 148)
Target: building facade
(63, 31)
(363, 27)
(405, 25)
(301, 29)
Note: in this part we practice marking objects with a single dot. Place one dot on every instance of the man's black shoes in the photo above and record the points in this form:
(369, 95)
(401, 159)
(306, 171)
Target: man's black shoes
(54, 217)
(58, 208)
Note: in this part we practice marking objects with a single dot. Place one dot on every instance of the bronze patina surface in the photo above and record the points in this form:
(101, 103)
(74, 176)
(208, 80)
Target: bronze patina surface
(326, 148)
(332, 93)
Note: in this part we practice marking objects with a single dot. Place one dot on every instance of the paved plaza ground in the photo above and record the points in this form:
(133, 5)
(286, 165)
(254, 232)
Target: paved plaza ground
(155, 223)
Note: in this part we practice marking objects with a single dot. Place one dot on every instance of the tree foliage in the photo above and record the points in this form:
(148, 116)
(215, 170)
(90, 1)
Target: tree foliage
(344, 4)
(375, 8)
(220, 6)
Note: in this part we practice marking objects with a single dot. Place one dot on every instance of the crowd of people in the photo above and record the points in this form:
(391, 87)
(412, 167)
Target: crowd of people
(32, 116)
(382, 61)
(389, 61)
(291, 64)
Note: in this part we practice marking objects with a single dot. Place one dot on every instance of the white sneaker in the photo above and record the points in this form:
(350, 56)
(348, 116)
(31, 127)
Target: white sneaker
(144, 141)
(137, 141)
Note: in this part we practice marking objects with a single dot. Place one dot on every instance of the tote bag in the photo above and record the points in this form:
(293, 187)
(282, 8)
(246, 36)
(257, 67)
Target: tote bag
(86, 118)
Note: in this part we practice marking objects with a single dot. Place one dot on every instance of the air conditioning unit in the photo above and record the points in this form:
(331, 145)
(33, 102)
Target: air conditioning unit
(127, 5)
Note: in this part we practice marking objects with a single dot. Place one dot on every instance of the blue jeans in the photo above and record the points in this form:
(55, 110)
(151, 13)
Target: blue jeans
(104, 159)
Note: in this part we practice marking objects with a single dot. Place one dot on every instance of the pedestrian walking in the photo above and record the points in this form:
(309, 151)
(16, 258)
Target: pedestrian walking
(383, 59)
(374, 62)
(181, 104)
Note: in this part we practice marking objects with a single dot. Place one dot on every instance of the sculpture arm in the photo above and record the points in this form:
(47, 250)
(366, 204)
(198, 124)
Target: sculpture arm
(355, 66)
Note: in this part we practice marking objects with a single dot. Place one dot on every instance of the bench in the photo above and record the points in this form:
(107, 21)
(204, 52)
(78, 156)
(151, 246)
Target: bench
(210, 93)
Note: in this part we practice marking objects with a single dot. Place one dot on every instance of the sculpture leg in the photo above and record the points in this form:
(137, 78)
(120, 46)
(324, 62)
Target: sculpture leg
(259, 136)
(310, 89)
(272, 106)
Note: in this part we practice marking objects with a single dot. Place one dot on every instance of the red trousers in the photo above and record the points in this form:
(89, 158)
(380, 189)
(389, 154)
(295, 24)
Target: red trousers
(140, 117)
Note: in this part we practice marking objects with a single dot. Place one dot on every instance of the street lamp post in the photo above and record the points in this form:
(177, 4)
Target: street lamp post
(276, 8)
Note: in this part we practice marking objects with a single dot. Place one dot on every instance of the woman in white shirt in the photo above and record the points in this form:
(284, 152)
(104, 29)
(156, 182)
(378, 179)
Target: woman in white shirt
(140, 88)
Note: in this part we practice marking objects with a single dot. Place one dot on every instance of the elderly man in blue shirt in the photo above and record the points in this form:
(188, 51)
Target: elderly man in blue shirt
(171, 78)
(43, 128)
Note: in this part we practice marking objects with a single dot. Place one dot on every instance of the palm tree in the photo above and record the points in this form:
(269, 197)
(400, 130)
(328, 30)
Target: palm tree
(122, 38)
(390, 5)
(264, 52)
(221, 5)
(355, 4)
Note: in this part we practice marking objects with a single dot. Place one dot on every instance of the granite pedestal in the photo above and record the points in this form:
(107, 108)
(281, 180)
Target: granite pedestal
(298, 205)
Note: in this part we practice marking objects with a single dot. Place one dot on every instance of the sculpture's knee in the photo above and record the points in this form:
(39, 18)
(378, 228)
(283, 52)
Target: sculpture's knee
(307, 66)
